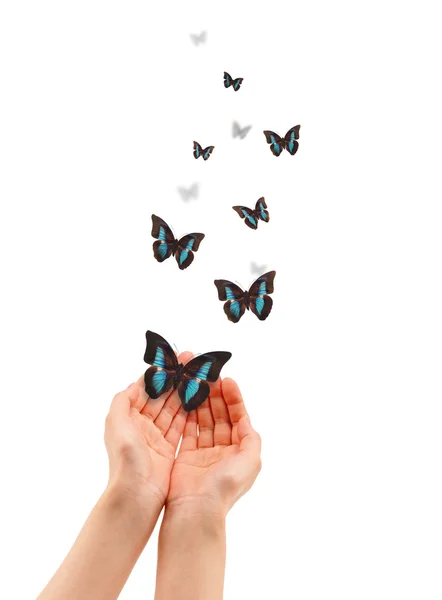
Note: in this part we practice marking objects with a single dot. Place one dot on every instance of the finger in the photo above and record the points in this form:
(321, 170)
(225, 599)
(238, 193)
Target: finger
(190, 435)
(152, 407)
(205, 425)
(125, 400)
(235, 405)
(222, 433)
(249, 439)
(176, 428)
(172, 405)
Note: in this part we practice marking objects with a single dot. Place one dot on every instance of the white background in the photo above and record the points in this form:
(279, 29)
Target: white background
(100, 102)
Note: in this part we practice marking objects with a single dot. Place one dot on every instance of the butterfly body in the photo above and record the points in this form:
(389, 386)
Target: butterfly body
(230, 82)
(190, 379)
(167, 245)
(288, 142)
(256, 299)
(253, 216)
(198, 151)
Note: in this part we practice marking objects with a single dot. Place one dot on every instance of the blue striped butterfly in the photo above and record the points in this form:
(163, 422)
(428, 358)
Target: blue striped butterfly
(277, 143)
(166, 244)
(190, 379)
(198, 151)
(229, 81)
(256, 299)
(252, 217)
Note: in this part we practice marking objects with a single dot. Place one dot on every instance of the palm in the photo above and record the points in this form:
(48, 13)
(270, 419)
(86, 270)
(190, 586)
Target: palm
(219, 454)
(143, 437)
(195, 471)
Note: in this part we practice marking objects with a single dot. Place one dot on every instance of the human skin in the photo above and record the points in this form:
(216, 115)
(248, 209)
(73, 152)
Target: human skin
(218, 462)
(141, 439)
(212, 470)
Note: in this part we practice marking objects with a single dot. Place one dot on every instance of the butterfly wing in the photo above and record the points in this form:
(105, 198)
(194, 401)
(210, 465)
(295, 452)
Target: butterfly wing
(237, 83)
(248, 215)
(227, 80)
(186, 248)
(260, 210)
(197, 150)
(207, 152)
(276, 142)
(236, 129)
(290, 139)
(162, 248)
(158, 379)
(193, 388)
(260, 302)
(244, 131)
(234, 297)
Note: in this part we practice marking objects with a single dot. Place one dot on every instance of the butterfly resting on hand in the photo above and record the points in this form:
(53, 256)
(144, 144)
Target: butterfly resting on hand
(277, 143)
(250, 216)
(256, 299)
(198, 151)
(166, 244)
(190, 379)
(229, 81)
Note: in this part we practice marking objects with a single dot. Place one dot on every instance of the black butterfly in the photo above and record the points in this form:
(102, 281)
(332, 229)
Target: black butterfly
(182, 249)
(240, 132)
(190, 379)
(288, 141)
(229, 81)
(198, 39)
(256, 299)
(199, 151)
(250, 216)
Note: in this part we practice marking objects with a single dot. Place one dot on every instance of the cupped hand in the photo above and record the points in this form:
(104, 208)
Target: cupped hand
(220, 454)
(142, 437)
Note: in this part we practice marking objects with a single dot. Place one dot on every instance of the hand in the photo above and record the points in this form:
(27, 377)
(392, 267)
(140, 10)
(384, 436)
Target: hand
(141, 438)
(217, 466)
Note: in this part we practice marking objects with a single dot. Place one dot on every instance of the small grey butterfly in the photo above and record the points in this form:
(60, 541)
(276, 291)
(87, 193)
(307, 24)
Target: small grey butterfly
(199, 39)
(238, 132)
(189, 193)
(257, 268)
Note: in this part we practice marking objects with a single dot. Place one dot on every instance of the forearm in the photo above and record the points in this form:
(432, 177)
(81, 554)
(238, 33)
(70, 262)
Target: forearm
(191, 555)
(106, 549)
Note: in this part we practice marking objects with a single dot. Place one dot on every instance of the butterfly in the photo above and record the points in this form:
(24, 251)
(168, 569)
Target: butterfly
(256, 299)
(288, 141)
(188, 193)
(198, 39)
(238, 132)
(198, 151)
(235, 83)
(190, 379)
(252, 217)
(166, 244)
(256, 268)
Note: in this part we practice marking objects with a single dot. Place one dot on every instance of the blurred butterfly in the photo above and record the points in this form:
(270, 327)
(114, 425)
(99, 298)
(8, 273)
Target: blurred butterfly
(190, 379)
(198, 39)
(198, 151)
(189, 193)
(238, 132)
(256, 299)
(277, 144)
(166, 244)
(251, 217)
(256, 268)
(235, 83)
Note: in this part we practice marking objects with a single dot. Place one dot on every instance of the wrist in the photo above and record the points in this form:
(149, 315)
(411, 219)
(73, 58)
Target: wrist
(195, 513)
(144, 505)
